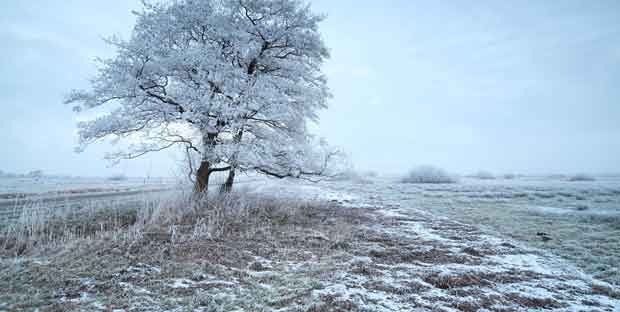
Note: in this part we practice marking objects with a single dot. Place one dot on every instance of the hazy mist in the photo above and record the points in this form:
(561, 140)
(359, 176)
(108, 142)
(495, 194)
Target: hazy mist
(511, 86)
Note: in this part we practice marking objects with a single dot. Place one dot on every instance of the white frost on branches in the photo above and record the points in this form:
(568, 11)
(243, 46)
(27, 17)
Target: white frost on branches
(234, 81)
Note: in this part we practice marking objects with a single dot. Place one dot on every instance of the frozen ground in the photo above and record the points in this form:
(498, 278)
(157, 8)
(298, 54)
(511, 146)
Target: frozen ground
(579, 221)
(11, 187)
(19, 194)
(381, 246)
(62, 193)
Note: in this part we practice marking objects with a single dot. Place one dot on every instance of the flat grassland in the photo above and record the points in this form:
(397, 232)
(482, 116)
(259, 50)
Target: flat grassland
(372, 245)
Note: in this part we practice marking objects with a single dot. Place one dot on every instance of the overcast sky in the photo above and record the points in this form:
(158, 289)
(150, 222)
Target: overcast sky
(506, 86)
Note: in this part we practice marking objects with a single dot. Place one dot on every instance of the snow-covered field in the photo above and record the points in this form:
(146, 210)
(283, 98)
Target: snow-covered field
(27, 195)
(579, 221)
(500, 245)
(16, 186)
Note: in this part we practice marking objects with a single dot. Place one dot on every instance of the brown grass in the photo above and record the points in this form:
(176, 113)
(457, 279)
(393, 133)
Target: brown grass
(532, 302)
(445, 281)
(240, 243)
(225, 232)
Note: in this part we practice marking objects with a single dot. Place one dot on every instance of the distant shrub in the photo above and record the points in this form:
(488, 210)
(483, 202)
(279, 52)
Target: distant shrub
(581, 177)
(4, 174)
(35, 174)
(428, 174)
(556, 176)
(509, 176)
(482, 175)
(118, 177)
(371, 174)
(346, 175)
(353, 176)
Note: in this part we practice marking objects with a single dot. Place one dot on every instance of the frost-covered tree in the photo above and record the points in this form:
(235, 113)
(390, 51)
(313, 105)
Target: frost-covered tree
(233, 81)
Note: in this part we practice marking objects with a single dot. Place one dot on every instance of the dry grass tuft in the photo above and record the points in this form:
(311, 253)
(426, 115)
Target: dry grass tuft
(39, 227)
(220, 236)
(449, 281)
(534, 302)
(238, 216)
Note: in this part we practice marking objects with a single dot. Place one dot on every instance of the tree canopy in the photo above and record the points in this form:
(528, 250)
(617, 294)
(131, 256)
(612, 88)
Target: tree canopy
(233, 81)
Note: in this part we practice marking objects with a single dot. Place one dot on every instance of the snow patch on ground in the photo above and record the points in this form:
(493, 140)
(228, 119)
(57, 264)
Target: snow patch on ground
(402, 257)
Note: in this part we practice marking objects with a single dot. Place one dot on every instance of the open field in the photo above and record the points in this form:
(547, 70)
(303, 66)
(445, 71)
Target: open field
(579, 221)
(22, 194)
(309, 156)
(371, 245)
(11, 187)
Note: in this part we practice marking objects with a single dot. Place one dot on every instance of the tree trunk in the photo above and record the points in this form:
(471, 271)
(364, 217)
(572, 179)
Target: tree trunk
(202, 178)
(204, 171)
(228, 185)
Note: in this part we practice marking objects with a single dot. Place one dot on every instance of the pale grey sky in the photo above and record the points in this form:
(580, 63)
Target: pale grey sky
(506, 86)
